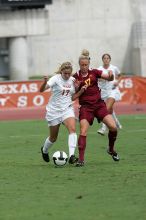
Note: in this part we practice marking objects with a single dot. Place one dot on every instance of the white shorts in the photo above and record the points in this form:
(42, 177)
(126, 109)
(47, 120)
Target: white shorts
(114, 93)
(68, 113)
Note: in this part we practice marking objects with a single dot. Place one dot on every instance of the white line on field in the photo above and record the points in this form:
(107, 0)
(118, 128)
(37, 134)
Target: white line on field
(20, 136)
(139, 130)
(140, 118)
(91, 132)
(126, 131)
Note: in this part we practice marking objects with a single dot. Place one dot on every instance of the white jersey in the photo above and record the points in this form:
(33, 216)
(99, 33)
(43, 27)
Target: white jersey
(61, 97)
(107, 86)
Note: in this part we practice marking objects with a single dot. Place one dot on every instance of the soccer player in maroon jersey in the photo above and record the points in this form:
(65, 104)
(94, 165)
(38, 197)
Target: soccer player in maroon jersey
(92, 106)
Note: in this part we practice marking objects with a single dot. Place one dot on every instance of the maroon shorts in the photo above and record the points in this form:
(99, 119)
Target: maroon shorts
(99, 111)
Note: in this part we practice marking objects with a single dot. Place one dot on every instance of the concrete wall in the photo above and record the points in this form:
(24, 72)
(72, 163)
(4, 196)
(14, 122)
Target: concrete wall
(15, 28)
(98, 25)
(102, 26)
(23, 22)
(139, 39)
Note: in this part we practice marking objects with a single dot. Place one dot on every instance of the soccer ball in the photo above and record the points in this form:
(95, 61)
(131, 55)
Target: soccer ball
(60, 158)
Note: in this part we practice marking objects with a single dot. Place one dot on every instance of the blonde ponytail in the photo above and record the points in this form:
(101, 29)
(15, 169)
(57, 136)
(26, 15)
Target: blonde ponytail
(85, 52)
(84, 55)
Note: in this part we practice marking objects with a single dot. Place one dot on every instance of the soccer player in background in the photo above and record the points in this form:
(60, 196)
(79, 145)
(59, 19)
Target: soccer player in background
(60, 110)
(110, 92)
(91, 105)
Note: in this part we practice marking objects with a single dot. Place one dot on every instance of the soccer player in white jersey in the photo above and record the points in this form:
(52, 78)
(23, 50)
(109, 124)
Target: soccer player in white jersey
(109, 90)
(60, 110)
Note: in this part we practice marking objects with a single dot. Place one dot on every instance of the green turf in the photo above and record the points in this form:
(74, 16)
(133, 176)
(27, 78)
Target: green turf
(30, 189)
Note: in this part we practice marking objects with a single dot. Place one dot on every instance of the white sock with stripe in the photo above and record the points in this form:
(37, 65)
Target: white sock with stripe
(47, 145)
(104, 127)
(72, 143)
(116, 119)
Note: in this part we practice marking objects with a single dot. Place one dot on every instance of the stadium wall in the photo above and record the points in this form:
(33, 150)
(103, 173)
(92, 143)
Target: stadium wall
(71, 25)
(100, 26)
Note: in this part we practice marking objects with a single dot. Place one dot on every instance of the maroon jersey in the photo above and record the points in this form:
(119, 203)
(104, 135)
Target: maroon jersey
(92, 94)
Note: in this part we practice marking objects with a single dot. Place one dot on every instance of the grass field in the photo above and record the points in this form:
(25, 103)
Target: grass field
(30, 189)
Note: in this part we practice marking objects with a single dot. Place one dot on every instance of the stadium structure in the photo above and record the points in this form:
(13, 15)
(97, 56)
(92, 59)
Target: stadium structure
(36, 36)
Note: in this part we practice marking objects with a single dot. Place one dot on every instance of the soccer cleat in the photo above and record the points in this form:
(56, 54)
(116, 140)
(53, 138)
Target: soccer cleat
(45, 156)
(73, 159)
(101, 131)
(114, 155)
(80, 163)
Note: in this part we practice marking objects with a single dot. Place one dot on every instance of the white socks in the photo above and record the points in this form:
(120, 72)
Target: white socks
(72, 143)
(116, 120)
(104, 127)
(47, 145)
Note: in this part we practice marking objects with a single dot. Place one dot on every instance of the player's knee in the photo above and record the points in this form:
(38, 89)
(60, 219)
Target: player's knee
(113, 128)
(83, 131)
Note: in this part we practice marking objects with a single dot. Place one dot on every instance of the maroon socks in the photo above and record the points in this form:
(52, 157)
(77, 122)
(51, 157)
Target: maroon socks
(81, 147)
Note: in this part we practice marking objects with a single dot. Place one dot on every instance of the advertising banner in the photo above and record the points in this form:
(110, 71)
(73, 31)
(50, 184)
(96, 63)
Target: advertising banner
(26, 93)
(133, 90)
(22, 94)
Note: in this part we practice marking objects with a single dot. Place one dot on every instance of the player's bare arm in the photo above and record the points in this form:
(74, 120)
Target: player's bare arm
(108, 76)
(79, 93)
(44, 86)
